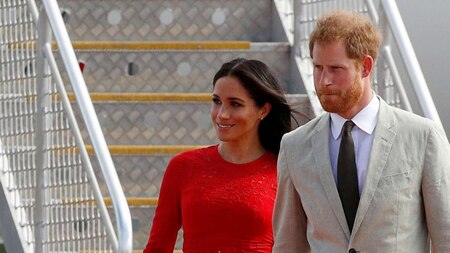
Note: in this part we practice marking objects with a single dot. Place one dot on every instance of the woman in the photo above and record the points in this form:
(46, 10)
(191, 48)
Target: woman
(223, 195)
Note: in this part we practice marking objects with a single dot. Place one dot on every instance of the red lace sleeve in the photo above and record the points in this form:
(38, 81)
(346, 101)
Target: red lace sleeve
(167, 219)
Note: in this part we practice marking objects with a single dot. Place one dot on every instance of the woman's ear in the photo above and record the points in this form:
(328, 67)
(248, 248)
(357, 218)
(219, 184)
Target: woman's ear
(265, 109)
(367, 65)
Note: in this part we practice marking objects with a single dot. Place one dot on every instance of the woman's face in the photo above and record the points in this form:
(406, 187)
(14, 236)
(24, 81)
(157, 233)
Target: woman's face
(234, 113)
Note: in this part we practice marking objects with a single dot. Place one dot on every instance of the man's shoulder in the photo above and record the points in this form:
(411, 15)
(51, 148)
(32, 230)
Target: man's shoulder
(411, 125)
(308, 129)
(409, 120)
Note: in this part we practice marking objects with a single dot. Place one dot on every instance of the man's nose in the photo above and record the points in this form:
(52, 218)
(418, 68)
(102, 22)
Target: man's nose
(325, 78)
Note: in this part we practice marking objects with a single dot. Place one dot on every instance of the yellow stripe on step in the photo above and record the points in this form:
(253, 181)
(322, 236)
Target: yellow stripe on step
(134, 251)
(135, 201)
(175, 251)
(132, 201)
(156, 97)
(146, 149)
(147, 45)
(160, 45)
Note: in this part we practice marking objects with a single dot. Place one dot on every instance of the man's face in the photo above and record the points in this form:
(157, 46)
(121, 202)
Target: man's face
(337, 80)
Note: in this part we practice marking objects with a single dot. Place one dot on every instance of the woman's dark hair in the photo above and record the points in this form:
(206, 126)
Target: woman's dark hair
(259, 81)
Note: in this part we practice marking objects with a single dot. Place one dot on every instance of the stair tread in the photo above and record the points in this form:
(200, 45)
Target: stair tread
(136, 201)
(146, 149)
(146, 96)
(174, 45)
(161, 45)
(156, 96)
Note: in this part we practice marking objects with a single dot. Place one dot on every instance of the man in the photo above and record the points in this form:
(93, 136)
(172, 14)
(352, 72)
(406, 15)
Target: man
(386, 187)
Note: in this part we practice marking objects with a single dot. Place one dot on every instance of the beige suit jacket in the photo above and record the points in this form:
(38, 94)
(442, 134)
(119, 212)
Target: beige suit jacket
(405, 200)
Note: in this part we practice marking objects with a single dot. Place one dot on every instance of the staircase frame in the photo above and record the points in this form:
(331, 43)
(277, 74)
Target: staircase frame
(396, 65)
(32, 160)
(47, 180)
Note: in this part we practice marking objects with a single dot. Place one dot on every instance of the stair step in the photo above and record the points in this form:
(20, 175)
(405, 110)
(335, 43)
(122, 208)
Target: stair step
(163, 118)
(136, 201)
(141, 250)
(143, 96)
(123, 70)
(146, 149)
(160, 45)
(147, 45)
(142, 220)
(153, 122)
(140, 175)
(168, 20)
(142, 212)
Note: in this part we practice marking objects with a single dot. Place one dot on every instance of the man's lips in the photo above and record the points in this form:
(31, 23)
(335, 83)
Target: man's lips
(327, 92)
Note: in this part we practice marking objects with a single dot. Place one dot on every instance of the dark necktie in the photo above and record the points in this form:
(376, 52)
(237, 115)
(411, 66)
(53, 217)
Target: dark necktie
(347, 176)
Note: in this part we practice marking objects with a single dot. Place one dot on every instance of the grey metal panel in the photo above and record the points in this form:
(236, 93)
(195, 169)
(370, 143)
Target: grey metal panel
(8, 227)
(168, 19)
(142, 219)
(174, 70)
(147, 123)
(141, 175)
(167, 123)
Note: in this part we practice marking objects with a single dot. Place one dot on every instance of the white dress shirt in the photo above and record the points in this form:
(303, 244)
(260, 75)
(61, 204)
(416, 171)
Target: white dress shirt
(365, 123)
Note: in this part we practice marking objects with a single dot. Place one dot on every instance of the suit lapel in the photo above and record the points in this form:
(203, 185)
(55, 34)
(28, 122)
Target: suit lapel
(381, 147)
(320, 144)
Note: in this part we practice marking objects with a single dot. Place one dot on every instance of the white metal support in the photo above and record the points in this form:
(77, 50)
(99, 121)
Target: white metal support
(43, 100)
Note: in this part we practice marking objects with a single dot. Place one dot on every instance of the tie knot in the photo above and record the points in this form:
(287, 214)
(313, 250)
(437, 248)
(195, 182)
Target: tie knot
(348, 126)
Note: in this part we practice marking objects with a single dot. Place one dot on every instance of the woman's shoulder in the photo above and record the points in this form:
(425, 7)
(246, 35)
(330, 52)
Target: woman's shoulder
(185, 163)
(195, 155)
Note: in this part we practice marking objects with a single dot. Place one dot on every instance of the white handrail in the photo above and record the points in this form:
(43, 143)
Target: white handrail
(409, 58)
(387, 54)
(79, 140)
(120, 205)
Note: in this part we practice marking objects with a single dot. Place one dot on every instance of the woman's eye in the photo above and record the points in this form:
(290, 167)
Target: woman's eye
(234, 104)
(216, 101)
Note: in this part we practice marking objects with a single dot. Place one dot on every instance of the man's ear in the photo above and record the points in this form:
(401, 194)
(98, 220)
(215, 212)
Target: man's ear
(367, 65)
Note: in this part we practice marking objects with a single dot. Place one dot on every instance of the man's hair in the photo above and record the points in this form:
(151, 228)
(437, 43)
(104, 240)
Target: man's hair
(358, 33)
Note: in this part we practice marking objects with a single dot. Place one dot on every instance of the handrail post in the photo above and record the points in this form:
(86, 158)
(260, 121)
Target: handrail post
(41, 136)
(125, 242)
(382, 69)
(409, 58)
(301, 56)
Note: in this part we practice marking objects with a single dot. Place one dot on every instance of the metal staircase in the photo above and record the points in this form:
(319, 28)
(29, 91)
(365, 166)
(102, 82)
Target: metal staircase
(148, 68)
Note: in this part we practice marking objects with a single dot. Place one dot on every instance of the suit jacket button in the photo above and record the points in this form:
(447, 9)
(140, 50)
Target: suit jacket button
(352, 251)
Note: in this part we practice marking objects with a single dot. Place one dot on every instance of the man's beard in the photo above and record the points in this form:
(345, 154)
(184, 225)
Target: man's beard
(342, 100)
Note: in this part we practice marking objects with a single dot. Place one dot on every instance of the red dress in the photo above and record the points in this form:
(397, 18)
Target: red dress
(223, 207)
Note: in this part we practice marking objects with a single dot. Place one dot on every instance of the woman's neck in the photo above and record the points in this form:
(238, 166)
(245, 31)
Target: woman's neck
(240, 153)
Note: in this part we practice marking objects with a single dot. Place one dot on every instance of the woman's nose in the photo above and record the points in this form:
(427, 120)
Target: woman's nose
(223, 112)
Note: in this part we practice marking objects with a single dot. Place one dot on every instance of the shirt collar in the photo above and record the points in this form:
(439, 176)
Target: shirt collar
(366, 119)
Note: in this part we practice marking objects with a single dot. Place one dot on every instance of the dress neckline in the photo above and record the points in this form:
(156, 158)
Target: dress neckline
(262, 159)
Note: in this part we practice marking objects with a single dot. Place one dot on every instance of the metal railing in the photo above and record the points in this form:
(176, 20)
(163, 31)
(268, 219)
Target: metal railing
(48, 183)
(397, 64)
